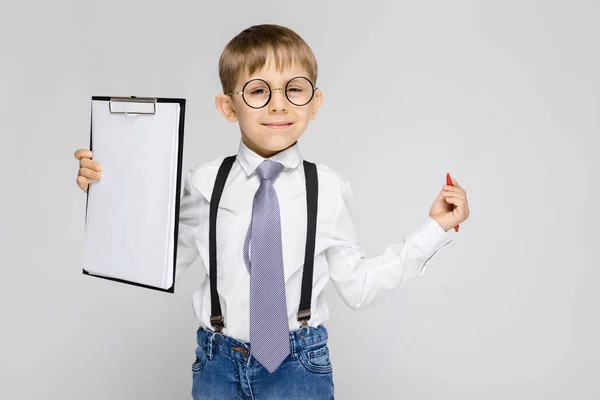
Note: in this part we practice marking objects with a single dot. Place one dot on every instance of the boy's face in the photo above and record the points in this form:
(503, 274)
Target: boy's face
(261, 128)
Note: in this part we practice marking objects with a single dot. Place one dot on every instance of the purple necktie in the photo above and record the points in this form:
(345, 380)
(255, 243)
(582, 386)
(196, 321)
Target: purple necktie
(269, 330)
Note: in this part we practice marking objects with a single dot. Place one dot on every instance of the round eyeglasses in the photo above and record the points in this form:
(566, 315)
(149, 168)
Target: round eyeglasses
(257, 93)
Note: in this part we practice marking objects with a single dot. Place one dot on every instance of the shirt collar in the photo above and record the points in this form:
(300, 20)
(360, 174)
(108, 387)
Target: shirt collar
(290, 158)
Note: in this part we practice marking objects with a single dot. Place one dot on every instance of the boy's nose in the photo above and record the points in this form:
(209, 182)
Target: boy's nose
(278, 100)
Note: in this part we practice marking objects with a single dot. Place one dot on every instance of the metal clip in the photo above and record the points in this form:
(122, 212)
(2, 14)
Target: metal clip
(303, 317)
(132, 99)
(302, 314)
(218, 323)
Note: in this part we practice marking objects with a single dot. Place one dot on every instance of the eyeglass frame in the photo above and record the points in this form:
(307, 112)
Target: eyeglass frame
(273, 89)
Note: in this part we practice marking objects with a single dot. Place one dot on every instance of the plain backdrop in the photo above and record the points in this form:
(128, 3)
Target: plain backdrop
(504, 95)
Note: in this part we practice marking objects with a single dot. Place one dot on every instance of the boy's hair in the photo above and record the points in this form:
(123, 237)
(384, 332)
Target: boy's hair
(251, 47)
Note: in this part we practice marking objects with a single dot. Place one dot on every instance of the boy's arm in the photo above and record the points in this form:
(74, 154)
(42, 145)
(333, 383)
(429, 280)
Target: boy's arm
(362, 281)
(191, 211)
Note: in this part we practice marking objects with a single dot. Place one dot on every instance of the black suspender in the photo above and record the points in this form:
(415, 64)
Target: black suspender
(216, 318)
(312, 190)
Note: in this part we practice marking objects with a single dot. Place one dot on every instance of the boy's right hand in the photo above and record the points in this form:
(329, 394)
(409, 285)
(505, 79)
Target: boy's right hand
(90, 171)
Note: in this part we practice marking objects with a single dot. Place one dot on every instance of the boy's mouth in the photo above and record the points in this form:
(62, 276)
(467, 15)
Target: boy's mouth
(278, 125)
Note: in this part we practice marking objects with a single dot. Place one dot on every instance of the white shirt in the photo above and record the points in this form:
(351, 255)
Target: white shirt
(361, 281)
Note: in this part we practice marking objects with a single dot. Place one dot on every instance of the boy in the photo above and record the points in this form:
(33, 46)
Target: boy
(270, 251)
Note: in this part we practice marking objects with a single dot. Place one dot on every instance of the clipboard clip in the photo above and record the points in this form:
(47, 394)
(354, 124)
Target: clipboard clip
(133, 99)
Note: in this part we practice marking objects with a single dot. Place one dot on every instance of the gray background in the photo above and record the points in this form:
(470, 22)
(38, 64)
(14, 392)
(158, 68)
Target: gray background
(503, 95)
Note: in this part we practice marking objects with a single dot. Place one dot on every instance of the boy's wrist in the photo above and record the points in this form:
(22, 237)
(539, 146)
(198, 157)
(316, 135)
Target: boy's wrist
(445, 225)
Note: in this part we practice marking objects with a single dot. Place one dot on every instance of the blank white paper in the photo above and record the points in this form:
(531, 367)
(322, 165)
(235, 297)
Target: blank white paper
(131, 210)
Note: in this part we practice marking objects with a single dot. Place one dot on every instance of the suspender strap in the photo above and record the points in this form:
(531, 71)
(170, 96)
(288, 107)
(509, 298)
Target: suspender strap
(216, 318)
(312, 190)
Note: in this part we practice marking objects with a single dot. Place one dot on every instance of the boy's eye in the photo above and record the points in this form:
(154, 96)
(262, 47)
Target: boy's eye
(295, 90)
(258, 91)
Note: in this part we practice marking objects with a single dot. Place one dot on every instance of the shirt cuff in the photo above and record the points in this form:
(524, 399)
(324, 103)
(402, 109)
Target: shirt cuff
(429, 237)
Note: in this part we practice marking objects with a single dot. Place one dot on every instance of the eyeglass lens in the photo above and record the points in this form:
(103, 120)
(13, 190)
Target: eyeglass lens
(299, 91)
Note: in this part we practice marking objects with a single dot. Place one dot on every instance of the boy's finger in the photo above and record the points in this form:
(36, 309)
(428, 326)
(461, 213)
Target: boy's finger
(83, 153)
(90, 174)
(454, 193)
(451, 188)
(83, 183)
(91, 164)
(457, 187)
(457, 190)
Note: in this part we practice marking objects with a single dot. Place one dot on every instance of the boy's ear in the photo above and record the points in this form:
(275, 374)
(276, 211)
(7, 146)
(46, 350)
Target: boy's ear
(316, 103)
(224, 104)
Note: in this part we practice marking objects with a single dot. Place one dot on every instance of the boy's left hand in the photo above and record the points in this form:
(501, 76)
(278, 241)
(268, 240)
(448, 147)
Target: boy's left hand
(451, 206)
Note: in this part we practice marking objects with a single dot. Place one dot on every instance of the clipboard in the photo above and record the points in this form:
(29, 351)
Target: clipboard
(132, 213)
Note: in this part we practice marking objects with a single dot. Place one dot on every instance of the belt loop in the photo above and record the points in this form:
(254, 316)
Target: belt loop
(293, 346)
(209, 351)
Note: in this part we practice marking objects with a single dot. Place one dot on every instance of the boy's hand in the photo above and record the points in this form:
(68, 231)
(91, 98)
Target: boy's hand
(451, 206)
(89, 170)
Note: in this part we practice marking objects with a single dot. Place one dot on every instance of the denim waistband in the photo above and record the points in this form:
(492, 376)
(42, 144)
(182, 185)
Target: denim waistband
(218, 343)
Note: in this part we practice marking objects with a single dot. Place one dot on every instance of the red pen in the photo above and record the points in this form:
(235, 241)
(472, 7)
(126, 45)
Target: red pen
(449, 183)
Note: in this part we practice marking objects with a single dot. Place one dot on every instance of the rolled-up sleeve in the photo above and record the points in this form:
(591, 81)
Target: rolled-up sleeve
(363, 281)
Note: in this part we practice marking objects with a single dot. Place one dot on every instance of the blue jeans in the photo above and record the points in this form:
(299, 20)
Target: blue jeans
(227, 370)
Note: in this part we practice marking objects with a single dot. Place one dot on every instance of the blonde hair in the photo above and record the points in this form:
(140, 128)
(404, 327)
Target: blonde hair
(251, 47)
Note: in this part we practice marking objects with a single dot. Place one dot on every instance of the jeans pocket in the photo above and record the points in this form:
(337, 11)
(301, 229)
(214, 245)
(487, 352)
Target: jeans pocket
(200, 361)
(315, 358)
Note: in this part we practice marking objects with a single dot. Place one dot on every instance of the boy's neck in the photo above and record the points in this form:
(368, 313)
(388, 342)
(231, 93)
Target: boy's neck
(260, 151)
